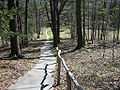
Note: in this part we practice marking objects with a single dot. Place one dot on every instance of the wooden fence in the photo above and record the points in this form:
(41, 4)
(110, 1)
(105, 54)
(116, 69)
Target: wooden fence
(72, 83)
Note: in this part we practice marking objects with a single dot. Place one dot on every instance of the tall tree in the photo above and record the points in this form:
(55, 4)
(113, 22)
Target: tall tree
(84, 22)
(118, 21)
(53, 21)
(14, 44)
(26, 24)
(36, 15)
(19, 22)
(56, 7)
(79, 24)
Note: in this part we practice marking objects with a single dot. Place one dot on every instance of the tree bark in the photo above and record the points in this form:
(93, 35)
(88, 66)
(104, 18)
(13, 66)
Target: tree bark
(14, 43)
(53, 22)
(79, 24)
(26, 24)
(83, 22)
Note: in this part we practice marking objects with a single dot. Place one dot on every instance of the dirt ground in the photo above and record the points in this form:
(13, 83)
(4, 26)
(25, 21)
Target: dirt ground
(11, 70)
(96, 67)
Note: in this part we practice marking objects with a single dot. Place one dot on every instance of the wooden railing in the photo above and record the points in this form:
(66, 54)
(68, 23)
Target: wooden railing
(72, 83)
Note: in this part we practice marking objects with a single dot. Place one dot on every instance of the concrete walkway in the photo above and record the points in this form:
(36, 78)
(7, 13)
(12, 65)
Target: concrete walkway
(41, 76)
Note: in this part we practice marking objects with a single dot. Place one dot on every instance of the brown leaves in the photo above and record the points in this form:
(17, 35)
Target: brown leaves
(92, 70)
(11, 70)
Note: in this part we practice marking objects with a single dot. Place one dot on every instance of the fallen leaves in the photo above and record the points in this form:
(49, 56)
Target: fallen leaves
(95, 68)
(11, 70)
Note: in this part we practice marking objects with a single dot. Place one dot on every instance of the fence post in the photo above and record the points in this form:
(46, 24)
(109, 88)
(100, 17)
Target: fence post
(59, 67)
(68, 81)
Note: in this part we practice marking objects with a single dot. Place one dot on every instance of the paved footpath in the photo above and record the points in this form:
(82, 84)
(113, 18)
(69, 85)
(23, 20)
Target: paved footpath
(41, 75)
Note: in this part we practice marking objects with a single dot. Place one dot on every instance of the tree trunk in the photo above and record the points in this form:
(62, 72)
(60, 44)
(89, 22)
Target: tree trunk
(39, 28)
(53, 25)
(26, 24)
(57, 21)
(58, 28)
(79, 24)
(88, 21)
(19, 24)
(118, 24)
(83, 22)
(72, 31)
(36, 16)
(14, 43)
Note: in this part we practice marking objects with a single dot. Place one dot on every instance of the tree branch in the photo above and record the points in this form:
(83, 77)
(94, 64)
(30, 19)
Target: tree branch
(63, 3)
(47, 13)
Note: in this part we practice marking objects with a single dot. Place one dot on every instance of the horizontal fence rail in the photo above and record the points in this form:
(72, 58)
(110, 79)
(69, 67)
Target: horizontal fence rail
(72, 83)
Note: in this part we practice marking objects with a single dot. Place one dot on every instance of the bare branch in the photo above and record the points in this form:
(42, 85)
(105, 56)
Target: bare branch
(63, 3)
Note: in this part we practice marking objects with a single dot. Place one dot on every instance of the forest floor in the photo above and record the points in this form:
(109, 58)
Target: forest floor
(11, 70)
(95, 67)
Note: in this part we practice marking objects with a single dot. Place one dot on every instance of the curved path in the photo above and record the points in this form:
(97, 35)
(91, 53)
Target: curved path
(41, 76)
